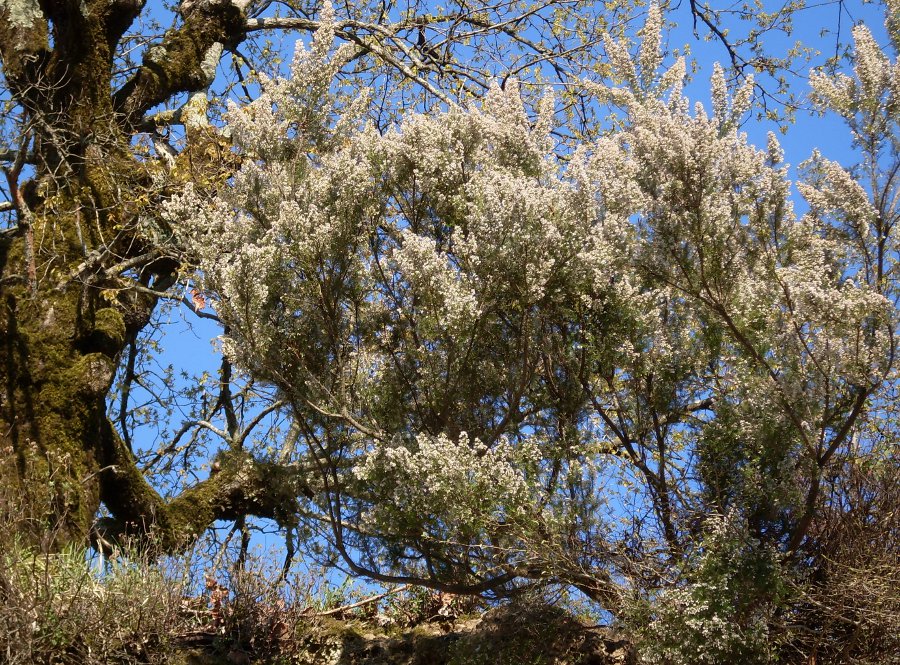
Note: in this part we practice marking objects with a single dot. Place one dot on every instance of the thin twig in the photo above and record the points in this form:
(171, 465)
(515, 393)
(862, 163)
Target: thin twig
(361, 603)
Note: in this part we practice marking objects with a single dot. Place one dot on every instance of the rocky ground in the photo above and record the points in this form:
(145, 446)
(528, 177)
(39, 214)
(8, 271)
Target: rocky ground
(510, 635)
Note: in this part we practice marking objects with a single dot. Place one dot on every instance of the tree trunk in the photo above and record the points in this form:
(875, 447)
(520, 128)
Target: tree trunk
(76, 271)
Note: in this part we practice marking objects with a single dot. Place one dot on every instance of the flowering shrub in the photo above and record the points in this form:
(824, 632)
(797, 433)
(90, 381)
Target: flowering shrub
(508, 364)
(720, 611)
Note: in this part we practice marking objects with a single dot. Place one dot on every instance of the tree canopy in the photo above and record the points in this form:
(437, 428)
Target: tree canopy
(495, 338)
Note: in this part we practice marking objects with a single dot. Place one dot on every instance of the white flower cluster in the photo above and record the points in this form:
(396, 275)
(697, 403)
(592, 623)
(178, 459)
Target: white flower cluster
(442, 485)
(435, 281)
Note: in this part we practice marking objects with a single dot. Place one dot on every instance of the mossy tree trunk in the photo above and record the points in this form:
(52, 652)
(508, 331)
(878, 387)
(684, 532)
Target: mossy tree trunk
(76, 274)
